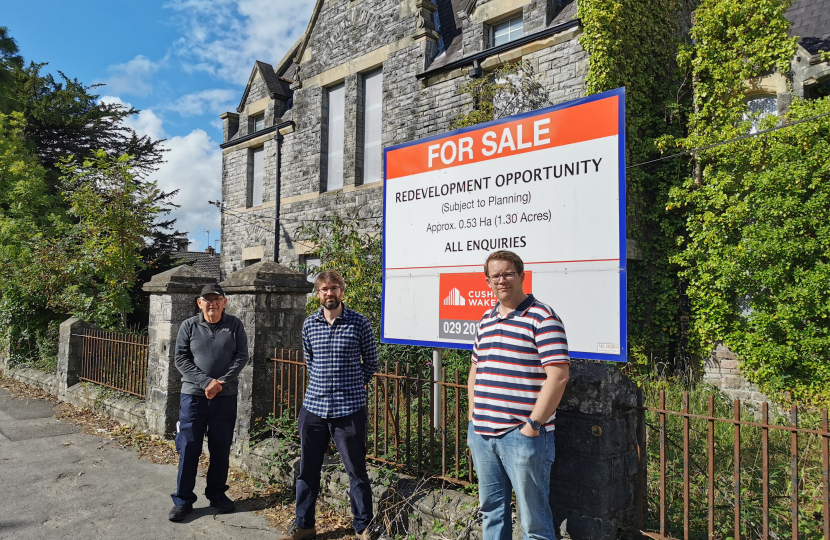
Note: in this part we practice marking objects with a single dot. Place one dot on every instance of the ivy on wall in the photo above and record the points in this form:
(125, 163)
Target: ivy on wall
(757, 246)
(633, 43)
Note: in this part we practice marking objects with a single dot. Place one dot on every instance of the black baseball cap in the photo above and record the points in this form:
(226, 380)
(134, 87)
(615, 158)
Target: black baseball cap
(212, 288)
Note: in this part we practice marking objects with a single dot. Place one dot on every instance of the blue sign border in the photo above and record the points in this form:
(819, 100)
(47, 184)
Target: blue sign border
(619, 92)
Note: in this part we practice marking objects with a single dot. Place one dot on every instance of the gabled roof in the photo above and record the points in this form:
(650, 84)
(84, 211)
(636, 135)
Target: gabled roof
(277, 88)
(811, 23)
(206, 262)
(286, 68)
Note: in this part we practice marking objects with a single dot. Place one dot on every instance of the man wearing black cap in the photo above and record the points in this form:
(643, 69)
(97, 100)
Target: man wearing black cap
(211, 350)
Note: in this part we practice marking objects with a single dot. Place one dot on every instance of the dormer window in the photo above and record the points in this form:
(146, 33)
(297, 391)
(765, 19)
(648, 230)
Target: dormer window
(507, 31)
(258, 122)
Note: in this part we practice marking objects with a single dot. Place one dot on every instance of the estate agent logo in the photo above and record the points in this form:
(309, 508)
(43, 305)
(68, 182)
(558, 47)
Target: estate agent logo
(463, 299)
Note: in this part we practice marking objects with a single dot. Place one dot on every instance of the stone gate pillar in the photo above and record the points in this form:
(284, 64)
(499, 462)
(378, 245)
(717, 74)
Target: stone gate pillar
(594, 476)
(270, 300)
(70, 347)
(172, 300)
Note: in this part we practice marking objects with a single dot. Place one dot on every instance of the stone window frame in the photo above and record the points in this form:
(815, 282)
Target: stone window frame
(361, 123)
(304, 266)
(250, 174)
(253, 120)
(324, 136)
(509, 18)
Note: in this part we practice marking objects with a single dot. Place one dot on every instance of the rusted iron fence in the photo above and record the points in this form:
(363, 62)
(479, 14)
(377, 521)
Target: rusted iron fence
(115, 360)
(415, 422)
(707, 476)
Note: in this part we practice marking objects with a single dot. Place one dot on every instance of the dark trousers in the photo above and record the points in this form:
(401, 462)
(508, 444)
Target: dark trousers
(197, 415)
(349, 434)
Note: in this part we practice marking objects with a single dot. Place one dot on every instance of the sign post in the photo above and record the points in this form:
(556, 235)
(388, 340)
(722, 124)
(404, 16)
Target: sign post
(437, 376)
(548, 185)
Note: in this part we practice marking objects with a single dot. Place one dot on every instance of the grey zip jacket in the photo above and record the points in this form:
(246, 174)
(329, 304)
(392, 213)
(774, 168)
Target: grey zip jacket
(202, 355)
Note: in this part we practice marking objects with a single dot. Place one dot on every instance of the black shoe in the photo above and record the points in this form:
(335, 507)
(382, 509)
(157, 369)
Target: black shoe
(225, 506)
(179, 512)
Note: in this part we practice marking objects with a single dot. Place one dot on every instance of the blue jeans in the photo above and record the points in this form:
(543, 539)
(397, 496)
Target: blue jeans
(197, 415)
(523, 463)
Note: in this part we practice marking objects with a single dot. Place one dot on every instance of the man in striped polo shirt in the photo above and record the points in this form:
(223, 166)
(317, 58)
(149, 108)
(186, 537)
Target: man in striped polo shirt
(518, 374)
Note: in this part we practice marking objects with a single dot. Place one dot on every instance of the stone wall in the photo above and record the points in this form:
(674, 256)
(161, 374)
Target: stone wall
(722, 370)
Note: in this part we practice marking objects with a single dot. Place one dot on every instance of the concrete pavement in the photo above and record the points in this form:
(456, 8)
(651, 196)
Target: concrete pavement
(57, 483)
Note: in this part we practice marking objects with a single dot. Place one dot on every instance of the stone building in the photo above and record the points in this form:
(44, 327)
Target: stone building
(809, 76)
(307, 137)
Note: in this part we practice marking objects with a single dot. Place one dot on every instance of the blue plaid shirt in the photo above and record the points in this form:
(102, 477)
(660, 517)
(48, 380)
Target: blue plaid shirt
(337, 378)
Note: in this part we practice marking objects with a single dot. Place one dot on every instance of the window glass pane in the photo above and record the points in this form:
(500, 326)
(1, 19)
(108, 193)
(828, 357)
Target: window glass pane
(259, 122)
(516, 28)
(258, 160)
(508, 31)
(334, 172)
(372, 126)
(758, 108)
(516, 24)
(499, 40)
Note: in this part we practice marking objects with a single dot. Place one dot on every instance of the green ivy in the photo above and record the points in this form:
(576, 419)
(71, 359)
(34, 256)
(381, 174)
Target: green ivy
(632, 44)
(757, 246)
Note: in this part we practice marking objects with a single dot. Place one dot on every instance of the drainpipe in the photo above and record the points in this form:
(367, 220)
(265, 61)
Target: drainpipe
(279, 138)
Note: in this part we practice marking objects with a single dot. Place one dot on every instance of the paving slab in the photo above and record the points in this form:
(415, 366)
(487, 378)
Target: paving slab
(59, 485)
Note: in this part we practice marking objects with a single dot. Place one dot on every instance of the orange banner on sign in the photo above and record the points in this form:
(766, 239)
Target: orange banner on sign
(466, 297)
(576, 124)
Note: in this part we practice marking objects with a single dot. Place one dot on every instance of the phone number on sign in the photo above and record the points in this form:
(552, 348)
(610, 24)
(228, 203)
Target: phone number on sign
(460, 328)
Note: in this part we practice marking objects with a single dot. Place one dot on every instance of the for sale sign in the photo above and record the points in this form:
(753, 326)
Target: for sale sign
(548, 185)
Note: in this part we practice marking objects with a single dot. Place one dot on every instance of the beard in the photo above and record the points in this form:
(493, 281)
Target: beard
(331, 304)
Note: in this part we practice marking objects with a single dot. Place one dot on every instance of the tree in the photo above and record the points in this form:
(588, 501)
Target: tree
(91, 266)
(509, 90)
(28, 213)
(67, 119)
(9, 61)
(63, 120)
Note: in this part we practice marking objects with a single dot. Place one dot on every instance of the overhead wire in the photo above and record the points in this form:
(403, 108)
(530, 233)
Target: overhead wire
(240, 217)
(736, 139)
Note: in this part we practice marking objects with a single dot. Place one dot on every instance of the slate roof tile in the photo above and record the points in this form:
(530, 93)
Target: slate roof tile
(811, 23)
(200, 261)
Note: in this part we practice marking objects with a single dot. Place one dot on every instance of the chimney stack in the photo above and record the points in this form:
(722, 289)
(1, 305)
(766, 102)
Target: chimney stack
(210, 250)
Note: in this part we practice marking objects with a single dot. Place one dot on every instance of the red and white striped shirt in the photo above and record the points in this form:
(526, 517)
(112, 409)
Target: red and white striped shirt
(510, 354)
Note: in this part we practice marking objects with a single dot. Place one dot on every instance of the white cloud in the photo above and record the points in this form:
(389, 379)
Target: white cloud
(132, 77)
(224, 37)
(193, 166)
(213, 101)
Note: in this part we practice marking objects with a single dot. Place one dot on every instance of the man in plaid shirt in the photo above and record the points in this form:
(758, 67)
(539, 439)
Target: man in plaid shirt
(335, 339)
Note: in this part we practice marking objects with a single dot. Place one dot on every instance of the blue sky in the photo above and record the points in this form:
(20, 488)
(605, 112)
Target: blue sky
(181, 62)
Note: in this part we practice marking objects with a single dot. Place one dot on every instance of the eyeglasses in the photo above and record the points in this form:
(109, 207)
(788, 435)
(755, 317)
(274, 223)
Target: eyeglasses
(214, 301)
(329, 289)
(508, 276)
